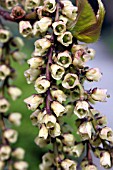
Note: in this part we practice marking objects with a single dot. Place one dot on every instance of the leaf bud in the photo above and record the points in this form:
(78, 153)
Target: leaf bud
(25, 28)
(58, 108)
(70, 81)
(5, 152)
(11, 135)
(18, 153)
(65, 38)
(57, 71)
(15, 118)
(4, 105)
(34, 101)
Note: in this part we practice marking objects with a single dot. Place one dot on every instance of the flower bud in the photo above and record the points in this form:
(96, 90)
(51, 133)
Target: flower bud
(34, 101)
(65, 38)
(11, 135)
(49, 121)
(86, 130)
(42, 25)
(25, 28)
(93, 74)
(31, 75)
(41, 84)
(77, 150)
(58, 95)
(91, 53)
(19, 56)
(41, 47)
(5, 152)
(106, 133)
(81, 109)
(56, 131)
(17, 42)
(68, 164)
(43, 132)
(4, 105)
(4, 72)
(99, 94)
(105, 159)
(68, 139)
(63, 18)
(35, 62)
(18, 153)
(57, 108)
(48, 159)
(4, 36)
(50, 5)
(59, 27)
(15, 118)
(102, 121)
(64, 59)
(11, 3)
(21, 165)
(70, 81)
(2, 165)
(70, 11)
(90, 167)
(57, 71)
(31, 4)
(41, 142)
(34, 117)
(14, 92)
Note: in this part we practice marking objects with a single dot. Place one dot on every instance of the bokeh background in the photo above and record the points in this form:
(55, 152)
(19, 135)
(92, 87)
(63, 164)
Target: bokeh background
(103, 60)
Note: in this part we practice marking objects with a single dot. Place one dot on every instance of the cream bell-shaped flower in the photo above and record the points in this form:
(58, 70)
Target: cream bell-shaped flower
(11, 3)
(77, 150)
(99, 94)
(31, 75)
(34, 101)
(5, 152)
(68, 139)
(19, 56)
(81, 109)
(91, 53)
(35, 62)
(58, 95)
(43, 132)
(41, 84)
(58, 108)
(41, 142)
(25, 28)
(31, 4)
(42, 25)
(70, 11)
(70, 81)
(15, 118)
(21, 165)
(11, 135)
(90, 167)
(44, 167)
(63, 18)
(86, 130)
(4, 105)
(57, 71)
(34, 117)
(18, 153)
(59, 27)
(56, 131)
(49, 121)
(105, 159)
(14, 92)
(4, 35)
(17, 42)
(48, 159)
(93, 74)
(65, 38)
(2, 165)
(41, 47)
(106, 133)
(68, 164)
(64, 59)
(50, 5)
(4, 72)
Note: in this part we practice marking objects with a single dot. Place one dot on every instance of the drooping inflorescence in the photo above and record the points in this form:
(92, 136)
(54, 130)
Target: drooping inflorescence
(10, 157)
(58, 71)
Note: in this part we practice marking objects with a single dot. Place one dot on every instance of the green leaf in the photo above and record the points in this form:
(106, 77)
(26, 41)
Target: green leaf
(88, 32)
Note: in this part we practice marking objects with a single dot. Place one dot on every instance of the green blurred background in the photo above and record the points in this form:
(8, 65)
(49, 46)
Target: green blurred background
(27, 132)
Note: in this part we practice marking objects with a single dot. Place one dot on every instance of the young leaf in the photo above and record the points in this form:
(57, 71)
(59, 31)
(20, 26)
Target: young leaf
(91, 32)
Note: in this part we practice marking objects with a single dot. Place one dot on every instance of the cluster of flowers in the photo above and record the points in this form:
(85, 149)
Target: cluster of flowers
(58, 71)
(10, 158)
